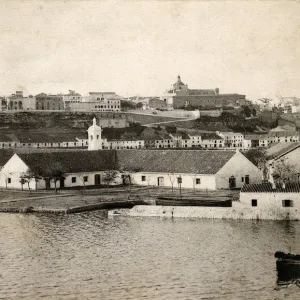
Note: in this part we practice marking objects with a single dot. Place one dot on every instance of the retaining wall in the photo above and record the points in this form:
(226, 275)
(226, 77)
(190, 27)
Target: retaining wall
(207, 212)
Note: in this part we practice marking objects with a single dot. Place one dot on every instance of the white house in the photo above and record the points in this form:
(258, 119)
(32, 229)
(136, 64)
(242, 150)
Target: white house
(79, 168)
(255, 140)
(232, 139)
(211, 140)
(282, 201)
(202, 169)
(213, 169)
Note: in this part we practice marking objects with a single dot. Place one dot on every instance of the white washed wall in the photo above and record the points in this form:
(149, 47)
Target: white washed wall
(238, 166)
(207, 181)
(269, 201)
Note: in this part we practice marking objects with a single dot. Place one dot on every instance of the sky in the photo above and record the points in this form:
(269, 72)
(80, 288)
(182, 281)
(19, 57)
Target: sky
(139, 47)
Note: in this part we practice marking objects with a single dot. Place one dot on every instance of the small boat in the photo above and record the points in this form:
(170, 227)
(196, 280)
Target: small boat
(288, 267)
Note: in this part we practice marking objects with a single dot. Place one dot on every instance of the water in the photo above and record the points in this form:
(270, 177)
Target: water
(88, 256)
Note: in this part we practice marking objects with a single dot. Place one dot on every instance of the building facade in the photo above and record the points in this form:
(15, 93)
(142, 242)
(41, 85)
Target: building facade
(49, 102)
(181, 96)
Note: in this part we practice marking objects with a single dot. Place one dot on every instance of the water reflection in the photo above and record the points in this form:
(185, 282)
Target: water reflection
(90, 256)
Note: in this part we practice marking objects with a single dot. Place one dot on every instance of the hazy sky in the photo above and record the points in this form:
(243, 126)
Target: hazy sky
(139, 47)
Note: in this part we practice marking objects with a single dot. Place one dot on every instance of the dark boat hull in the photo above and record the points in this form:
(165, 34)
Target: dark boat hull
(288, 267)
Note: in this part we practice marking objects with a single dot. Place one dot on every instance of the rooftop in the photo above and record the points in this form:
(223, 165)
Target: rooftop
(70, 162)
(267, 188)
(280, 149)
(174, 161)
(210, 136)
(167, 161)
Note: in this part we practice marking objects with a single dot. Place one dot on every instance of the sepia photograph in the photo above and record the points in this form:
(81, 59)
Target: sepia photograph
(149, 149)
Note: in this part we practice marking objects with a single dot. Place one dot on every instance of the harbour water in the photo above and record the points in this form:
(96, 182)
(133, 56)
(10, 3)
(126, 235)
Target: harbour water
(90, 256)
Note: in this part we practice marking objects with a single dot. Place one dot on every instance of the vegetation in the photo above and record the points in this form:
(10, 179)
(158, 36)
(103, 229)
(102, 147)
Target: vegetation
(127, 175)
(285, 172)
(237, 123)
(109, 177)
(127, 105)
(259, 159)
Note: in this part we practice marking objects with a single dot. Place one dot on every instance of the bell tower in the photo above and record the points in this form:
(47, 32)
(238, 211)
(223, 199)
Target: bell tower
(94, 137)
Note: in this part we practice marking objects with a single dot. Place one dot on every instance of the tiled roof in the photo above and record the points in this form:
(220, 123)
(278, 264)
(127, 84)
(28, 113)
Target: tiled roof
(280, 149)
(5, 155)
(283, 133)
(251, 136)
(166, 161)
(267, 188)
(228, 133)
(175, 161)
(210, 136)
(70, 161)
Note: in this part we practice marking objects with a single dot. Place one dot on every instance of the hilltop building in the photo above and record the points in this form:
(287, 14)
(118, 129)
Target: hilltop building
(98, 101)
(72, 97)
(49, 102)
(18, 102)
(180, 96)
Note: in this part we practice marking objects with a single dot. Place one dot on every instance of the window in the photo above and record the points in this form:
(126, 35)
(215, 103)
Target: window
(247, 179)
(143, 178)
(85, 178)
(179, 180)
(73, 179)
(8, 180)
(287, 203)
(198, 181)
(254, 202)
(242, 179)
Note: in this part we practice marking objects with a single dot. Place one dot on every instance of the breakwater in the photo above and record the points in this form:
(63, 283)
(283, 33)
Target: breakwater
(207, 212)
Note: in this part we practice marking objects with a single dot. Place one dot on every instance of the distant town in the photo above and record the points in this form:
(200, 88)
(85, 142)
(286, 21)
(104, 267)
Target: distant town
(197, 139)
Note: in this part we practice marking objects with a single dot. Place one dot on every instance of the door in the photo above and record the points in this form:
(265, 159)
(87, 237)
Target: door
(160, 181)
(47, 184)
(62, 182)
(247, 180)
(232, 182)
(97, 179)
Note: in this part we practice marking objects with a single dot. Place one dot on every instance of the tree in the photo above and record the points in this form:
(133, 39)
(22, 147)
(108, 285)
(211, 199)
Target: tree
(52, 173)
(22, 181)
(284, 171)
(259, 159)
(126, 105)
(172, 179)
(110, 177)
(127, 175)
(246, 111)
(83, 179)
(27, 177)
(139, 105)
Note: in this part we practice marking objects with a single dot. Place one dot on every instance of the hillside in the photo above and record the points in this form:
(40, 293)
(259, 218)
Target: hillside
(28, 120)
(226, 122)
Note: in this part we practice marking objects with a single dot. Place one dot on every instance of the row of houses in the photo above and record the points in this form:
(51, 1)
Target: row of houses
(150, 138)
(95, 101)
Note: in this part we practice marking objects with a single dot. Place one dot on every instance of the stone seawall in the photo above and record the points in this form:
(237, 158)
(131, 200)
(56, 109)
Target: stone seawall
(207, 212)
